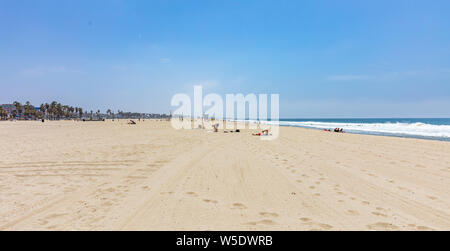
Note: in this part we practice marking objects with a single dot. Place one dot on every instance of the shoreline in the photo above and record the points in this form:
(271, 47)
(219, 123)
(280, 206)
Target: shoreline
(444, 139)
(373, 133)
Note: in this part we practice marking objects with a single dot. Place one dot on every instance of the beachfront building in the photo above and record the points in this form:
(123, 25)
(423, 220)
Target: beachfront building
(9, 108)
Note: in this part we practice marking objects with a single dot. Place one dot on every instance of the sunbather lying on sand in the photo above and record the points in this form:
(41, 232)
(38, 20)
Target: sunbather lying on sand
(263, 133)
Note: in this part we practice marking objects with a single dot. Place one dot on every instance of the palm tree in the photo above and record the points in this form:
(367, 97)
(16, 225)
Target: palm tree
(19, 108)
(29, 110)
(43, 110)
(3, 113)
(65, 111)
(52, 109)
(71, 110)
(59, 111)
(47, 106)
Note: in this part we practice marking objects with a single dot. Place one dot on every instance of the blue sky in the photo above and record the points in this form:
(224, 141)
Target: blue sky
(324, 58)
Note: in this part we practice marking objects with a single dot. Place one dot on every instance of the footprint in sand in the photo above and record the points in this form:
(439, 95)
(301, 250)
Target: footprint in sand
(322, 226)
(265, 214)
(52, 216)
(261, 222)
(210, 201)
(379, 214)
(432, 197)
(420, 228)
(239, 206)
(42, 222)
(192, 194)
(352, 212)
(315, 226)
(305, 219)
(382, 226)
(110, 190)
(107, 204)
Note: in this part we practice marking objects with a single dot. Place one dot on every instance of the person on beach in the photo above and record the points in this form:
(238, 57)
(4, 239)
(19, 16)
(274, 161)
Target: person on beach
(216, 127)
(263, 133)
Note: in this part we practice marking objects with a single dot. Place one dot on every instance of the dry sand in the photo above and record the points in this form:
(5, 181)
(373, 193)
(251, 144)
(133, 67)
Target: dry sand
(109, 175)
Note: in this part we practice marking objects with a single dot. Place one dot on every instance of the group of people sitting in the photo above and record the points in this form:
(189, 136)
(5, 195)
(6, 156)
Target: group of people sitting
(237, 130)
(341, 130)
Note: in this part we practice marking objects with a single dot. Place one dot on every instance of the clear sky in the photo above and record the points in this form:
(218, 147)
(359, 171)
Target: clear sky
(325, 58)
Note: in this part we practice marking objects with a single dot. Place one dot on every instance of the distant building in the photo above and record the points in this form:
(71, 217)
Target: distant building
(9, 108)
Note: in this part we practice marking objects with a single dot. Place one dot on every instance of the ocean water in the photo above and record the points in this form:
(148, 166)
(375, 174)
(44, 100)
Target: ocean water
(437, 128)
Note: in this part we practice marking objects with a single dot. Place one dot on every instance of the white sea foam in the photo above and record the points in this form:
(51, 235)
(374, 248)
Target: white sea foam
(407, 129)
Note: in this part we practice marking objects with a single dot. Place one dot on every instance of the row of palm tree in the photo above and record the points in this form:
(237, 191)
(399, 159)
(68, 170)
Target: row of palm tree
(54, 110)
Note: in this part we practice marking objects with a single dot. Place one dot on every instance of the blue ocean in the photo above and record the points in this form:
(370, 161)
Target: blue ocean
(429, 128)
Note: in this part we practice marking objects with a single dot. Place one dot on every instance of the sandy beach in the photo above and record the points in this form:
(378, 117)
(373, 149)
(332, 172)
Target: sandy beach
(65, 175)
